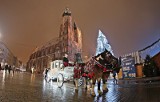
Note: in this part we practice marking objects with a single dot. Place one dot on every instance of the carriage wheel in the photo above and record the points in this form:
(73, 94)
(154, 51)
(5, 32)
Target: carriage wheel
(80, 81)
(60, 80)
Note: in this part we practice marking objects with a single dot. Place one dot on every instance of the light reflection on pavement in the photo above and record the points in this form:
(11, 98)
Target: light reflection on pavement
(27, 87)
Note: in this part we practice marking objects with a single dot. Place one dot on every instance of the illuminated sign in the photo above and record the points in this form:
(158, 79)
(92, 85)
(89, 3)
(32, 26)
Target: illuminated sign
(128, 68)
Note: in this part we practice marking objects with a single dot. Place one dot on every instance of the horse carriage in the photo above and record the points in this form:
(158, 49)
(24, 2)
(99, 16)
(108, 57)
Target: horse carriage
(60, 73)
(98, 69)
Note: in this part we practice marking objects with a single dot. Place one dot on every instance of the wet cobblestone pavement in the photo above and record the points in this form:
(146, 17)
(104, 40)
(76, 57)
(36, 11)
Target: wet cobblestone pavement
(26, 87)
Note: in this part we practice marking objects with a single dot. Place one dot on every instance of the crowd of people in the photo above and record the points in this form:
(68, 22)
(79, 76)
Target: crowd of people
(8, 68)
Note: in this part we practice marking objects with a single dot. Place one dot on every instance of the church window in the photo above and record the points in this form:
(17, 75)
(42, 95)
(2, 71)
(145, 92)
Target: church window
(76, 36)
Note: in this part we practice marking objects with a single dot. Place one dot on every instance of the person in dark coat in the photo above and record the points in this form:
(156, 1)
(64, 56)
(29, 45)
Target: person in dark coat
(6, 67)
(9, 69)
(65, 60)
(114, 76)
(46, 71)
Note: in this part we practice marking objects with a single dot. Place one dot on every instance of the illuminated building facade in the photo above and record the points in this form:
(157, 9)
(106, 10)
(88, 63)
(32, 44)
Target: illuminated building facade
(69, 42)
(6, 56)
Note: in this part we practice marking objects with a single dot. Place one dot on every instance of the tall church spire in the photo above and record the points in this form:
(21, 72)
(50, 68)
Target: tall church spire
(102, 44)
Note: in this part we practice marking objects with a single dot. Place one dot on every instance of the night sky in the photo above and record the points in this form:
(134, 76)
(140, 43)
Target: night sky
(129, 25)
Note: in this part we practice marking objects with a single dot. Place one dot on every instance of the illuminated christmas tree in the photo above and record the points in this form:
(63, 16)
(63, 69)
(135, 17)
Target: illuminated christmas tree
(102, 44)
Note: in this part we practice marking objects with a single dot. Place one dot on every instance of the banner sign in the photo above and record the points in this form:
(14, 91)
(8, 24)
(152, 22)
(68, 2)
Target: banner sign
(128, 67)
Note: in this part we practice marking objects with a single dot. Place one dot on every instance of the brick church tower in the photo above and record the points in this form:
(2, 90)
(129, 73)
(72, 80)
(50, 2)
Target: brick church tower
(70, 38)
(69, 42)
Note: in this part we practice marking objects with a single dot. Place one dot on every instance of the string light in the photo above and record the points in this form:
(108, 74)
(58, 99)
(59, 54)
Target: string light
(151, 50)
(150, 45)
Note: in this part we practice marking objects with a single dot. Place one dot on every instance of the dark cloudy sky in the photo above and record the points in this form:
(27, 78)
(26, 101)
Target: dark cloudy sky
(129, 25)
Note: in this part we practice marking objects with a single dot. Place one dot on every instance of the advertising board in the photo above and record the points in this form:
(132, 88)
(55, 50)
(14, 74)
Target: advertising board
(128, 67)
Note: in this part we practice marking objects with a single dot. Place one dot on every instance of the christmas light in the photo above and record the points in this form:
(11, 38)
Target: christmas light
(102, 44)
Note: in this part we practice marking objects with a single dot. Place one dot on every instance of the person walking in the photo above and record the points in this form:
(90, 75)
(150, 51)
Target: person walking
(32, 69)
(9, 69)
(13, 69)
(6, 67)
(46, 71)
(114, 76)
(77, 73)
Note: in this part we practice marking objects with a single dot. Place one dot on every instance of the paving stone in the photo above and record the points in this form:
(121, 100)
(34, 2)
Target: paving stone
(26, 87)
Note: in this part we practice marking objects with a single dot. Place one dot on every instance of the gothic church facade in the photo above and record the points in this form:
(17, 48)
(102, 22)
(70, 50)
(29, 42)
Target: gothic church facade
(69, 42)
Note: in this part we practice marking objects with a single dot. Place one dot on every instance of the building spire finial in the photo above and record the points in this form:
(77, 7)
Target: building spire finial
(66, 12)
